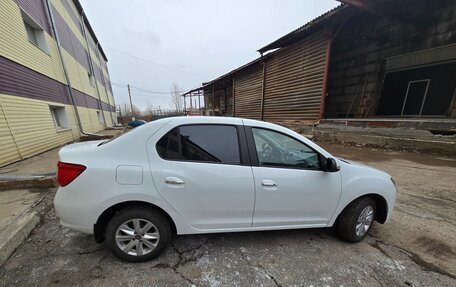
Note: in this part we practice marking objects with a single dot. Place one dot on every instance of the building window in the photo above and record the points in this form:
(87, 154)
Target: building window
(100, 117)
(31, 34)
(60, 117)
(91, 79)
(35, 33)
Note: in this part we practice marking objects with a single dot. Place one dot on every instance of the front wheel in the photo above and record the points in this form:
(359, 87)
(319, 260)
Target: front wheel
(137, 234)
(356, 220)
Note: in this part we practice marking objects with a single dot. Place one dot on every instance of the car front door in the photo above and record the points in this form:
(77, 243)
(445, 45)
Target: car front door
(291, 187)
(203, 172)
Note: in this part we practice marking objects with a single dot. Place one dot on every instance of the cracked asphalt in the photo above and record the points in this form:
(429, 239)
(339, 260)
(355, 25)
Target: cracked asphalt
(416, 248)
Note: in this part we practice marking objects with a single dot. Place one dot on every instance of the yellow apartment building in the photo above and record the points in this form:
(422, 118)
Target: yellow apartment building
(54, 80)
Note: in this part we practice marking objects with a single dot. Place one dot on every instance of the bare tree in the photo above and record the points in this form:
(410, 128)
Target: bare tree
(149, 110)
(126, 110)
(177, 100)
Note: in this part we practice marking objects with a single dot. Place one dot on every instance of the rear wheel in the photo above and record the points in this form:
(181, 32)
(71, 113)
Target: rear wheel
(136, 234)
(356, 220)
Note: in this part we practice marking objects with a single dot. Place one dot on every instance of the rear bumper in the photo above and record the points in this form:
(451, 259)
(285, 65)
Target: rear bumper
(73, 212)
(83, 229)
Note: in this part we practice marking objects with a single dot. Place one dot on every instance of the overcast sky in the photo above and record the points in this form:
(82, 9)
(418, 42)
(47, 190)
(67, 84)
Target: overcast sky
(152, 44)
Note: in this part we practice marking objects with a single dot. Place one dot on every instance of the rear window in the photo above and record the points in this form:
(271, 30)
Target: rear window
(201, 143)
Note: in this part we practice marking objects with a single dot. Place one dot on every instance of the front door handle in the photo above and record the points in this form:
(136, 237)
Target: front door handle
(173, 180)
(268, 183)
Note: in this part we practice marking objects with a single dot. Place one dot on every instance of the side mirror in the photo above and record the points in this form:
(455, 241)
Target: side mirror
(331, 165)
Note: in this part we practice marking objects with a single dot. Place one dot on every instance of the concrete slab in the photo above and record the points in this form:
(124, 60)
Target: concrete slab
(17, 219)
(22, 182)
(397, 138)
(42, 164)
(15, 202)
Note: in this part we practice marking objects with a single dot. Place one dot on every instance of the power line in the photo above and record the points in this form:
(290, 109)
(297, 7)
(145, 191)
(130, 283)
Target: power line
(155, 63)
(152, 92)
(149, 91)
(134, 93)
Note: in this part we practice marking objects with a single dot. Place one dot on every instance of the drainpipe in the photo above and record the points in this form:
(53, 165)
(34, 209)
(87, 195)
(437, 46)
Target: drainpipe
(234, 96)
(92, 70)
(213, 97)
(108, 84)
(263, 86)
(325, 79)
(65, 71)
(104, 83)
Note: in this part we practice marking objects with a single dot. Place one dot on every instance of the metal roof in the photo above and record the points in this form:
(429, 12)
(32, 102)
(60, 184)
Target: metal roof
(191, 91)
(299, 32)
(234, 71)
(225, 75)
(279, 43)
(89, 27)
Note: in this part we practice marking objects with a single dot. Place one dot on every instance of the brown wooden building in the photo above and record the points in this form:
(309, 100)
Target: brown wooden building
(373, 60)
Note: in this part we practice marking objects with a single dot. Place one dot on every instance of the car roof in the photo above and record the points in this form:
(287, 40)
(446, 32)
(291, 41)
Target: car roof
(220, 120)
(205, 120)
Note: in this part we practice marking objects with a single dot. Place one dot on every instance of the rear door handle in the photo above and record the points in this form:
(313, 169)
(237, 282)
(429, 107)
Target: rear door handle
(268, 183)
(173, 180)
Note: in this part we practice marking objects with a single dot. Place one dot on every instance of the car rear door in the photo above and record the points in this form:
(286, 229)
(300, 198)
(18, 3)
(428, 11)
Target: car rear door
(291, 188)
(203, 172)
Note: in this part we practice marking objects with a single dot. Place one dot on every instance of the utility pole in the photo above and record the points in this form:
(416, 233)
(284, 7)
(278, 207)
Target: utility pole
(131, 104)
(191, 107)
(199, 103)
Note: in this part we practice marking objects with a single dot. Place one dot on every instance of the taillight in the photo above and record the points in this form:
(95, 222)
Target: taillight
(67, 172)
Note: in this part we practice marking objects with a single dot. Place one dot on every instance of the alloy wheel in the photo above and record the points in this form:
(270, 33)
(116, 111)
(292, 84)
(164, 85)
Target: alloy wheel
(364, 220)
(137, 237)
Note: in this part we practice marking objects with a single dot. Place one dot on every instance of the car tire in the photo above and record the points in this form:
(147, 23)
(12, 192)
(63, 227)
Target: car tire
(128, 239)
(356, 219)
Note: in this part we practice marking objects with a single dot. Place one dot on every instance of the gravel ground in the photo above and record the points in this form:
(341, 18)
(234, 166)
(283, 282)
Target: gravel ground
(416, 248)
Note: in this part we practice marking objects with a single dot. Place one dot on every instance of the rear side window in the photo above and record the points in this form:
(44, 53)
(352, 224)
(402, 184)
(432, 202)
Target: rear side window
(168, 145)
(201, 143)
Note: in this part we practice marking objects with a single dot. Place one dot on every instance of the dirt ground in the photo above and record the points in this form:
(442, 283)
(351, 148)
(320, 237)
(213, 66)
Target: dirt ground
(416, 248)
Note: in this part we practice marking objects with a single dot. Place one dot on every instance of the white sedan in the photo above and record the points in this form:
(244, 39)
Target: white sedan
(188, 175)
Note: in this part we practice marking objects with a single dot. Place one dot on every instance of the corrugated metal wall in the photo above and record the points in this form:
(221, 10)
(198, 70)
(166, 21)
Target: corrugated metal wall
(248, 86)
(294, 81)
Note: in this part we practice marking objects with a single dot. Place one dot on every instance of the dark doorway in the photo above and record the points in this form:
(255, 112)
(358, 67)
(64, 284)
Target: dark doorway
(418, 92)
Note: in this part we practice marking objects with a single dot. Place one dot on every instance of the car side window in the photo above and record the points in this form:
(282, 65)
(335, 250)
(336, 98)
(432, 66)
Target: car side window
(275, 149)
(201, 143)
(168, 146)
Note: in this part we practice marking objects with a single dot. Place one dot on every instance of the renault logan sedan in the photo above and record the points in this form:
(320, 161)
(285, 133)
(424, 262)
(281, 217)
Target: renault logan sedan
(188, 175)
